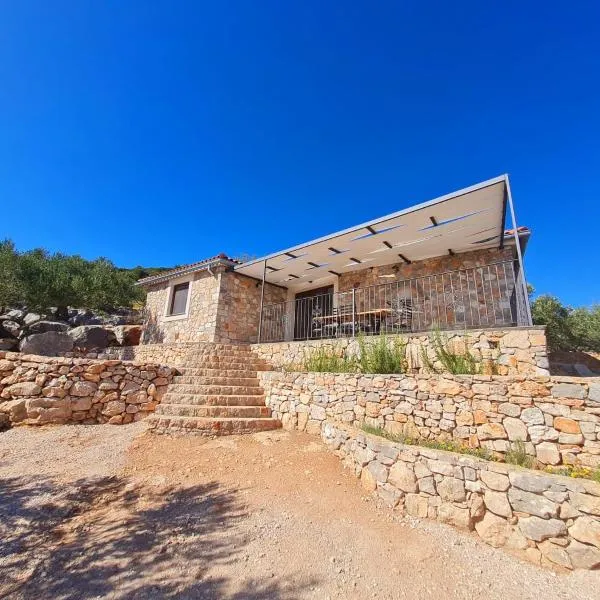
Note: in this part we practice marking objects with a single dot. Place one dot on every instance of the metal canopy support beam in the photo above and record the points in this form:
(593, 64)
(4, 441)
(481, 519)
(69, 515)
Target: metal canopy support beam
(519, 253)
(262, 300)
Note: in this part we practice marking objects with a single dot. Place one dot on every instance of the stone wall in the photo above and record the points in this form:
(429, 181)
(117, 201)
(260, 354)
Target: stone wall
(239, 306)
(224, 307)
(421, 268)
(512, 351)
(173, 354)
(558, 418)
(552, 520)
(444, 289)
(201, 321)
(36, 390)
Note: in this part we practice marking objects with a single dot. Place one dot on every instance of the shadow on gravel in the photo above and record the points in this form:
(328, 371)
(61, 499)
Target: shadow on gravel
(106, 537)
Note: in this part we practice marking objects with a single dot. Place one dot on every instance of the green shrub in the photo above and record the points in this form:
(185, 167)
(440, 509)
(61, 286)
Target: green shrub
(447, 445)
(517, 455)
(41, 280)
(329, 360)
(576, 471)
(393, 437)
(457, 363)
(380, 355)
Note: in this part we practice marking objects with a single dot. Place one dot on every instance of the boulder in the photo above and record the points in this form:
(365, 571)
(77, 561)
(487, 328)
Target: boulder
(50, 343)
(11, 328)
(44, 326)
(92, 336)
(16, 314)
(31, 318)
(8, 343)
(80, 316)
(128, 335)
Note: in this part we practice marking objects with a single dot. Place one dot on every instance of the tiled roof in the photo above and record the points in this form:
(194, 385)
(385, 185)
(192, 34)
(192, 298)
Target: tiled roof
(191, 268)
(521, 230)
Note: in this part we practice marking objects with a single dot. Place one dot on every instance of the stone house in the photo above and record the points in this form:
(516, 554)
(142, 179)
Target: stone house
(449, 263)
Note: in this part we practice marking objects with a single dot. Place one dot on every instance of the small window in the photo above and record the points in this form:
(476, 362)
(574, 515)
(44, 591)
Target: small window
(179, 299)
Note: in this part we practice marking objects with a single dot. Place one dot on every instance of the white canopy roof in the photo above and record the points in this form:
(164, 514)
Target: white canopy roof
(469, 219)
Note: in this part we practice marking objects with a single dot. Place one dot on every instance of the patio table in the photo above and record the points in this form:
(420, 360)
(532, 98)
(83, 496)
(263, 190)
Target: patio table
(373, 317)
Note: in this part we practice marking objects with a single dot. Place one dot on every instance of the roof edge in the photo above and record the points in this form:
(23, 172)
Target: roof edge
(215, 261)
(488, 182)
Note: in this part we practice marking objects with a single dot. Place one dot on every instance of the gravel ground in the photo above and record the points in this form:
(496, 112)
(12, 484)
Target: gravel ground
(114, 512)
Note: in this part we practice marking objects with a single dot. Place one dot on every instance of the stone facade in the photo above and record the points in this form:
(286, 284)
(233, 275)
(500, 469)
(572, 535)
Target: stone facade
(423, 268)
(36, 390)
(552, 520)
(223, 307)
(512, 351)
(201, 320)
(444, 291)
(239, 307)
(557, 418)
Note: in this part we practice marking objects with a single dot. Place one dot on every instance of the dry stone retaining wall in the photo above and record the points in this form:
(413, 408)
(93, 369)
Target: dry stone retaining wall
(558, 418)
(513, 351)
(36, 390)
(174, 354)
(553, 520)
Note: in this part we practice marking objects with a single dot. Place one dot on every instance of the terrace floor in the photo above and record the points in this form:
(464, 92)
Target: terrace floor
(114, 512)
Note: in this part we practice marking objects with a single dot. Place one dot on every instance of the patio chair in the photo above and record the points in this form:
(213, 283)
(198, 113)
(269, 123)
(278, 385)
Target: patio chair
(331, 327)
(316, 329)
(401, 316)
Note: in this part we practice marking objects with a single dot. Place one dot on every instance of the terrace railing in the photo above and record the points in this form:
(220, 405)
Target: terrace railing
(480, 297)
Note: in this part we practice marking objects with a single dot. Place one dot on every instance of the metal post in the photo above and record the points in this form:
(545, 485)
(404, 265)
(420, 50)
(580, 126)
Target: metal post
(353, 312)
(262, 300)
(519, 253)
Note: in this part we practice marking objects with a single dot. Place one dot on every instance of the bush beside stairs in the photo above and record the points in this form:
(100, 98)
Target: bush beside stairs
(216, 393)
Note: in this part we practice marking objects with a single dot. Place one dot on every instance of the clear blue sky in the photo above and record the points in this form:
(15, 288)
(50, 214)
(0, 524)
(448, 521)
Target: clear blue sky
(160, 133)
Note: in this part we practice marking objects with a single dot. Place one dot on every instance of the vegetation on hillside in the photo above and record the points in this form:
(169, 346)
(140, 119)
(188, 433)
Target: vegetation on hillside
(567, 328)
(41, 280)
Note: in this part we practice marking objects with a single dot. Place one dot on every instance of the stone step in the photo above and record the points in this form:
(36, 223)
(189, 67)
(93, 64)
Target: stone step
(222, 355)
(216, 372)
(221, 349)
(252, 365)
(196, 410)
(216, 380)
(221, 390)
(213, 400)
(210, 426)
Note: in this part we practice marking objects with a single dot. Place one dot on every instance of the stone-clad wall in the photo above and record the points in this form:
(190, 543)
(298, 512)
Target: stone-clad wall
(239, 307)
(558, 418)
(224, 307)
(36, 390)
(199, 325)
(444, 288)
(512, 351)
(433, 266)
(553, 520)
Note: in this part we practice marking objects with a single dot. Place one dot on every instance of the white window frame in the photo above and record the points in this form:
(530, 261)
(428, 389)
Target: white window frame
(172, 283)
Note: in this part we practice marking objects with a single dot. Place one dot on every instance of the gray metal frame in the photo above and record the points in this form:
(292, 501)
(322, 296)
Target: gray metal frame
(522, 279)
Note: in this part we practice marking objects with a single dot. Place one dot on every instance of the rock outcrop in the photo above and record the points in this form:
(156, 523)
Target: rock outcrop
(63, 331)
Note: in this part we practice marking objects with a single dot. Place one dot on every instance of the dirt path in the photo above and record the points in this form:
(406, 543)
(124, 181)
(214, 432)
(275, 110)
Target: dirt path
(113, 512)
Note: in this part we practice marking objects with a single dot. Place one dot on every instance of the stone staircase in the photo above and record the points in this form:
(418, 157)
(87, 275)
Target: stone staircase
(216, 393)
